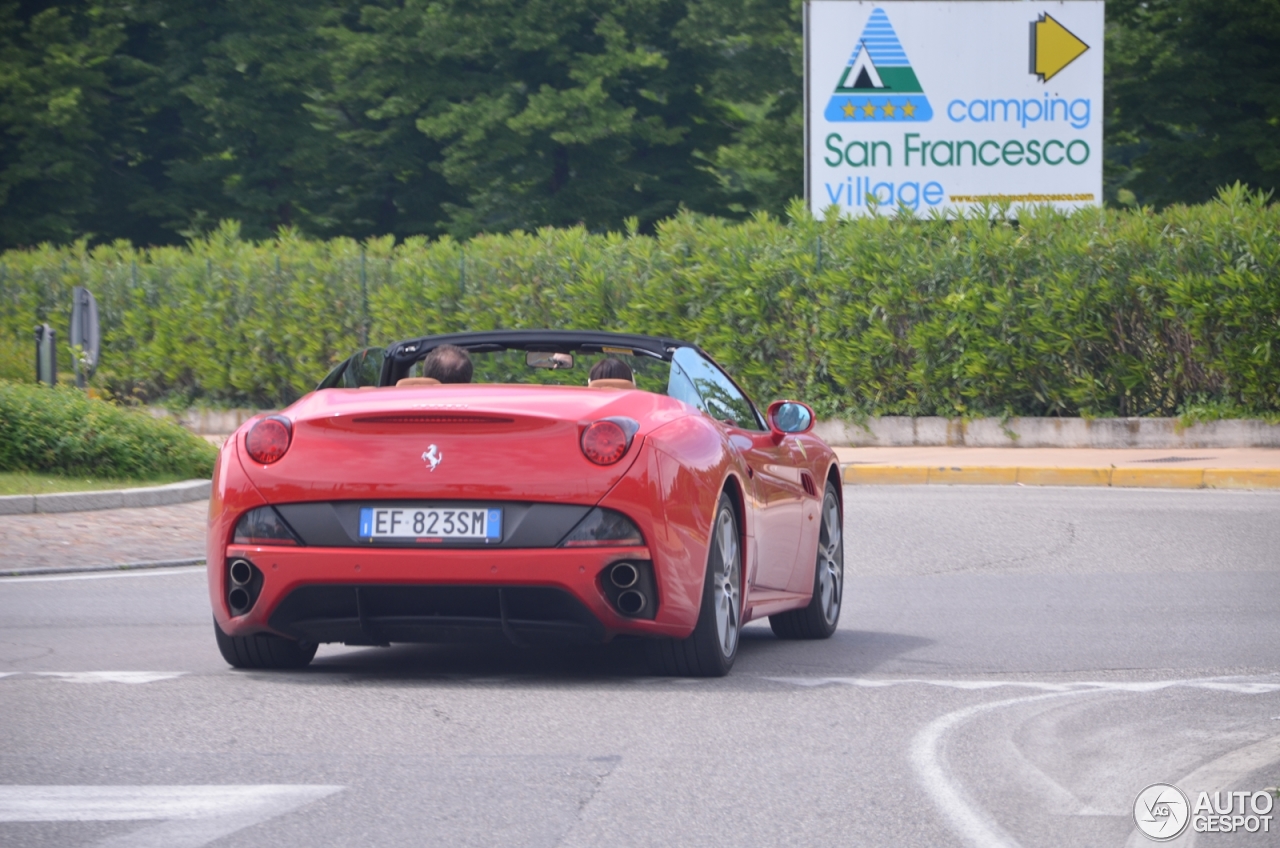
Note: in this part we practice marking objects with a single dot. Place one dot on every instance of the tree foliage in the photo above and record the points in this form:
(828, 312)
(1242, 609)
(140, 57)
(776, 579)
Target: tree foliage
(153, 120)
(1193, 91)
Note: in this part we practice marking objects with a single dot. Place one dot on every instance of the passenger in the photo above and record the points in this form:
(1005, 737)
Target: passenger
(610, 369)
(448, 364)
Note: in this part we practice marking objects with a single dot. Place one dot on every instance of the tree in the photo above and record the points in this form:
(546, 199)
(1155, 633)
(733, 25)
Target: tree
(1193, 97)
(545, 112)
(72, 133)
(754, 53)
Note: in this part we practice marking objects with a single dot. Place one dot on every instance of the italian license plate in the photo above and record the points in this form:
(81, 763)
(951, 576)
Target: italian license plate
(429, 523)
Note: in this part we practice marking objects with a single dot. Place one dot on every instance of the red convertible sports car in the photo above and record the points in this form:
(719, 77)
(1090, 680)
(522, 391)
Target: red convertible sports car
(484, 485)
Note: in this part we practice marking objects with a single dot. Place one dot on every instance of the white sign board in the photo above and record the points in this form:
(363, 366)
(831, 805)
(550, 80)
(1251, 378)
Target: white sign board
(946, 105)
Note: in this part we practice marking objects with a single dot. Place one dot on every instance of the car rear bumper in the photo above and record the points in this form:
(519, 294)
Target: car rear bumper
(379, 595)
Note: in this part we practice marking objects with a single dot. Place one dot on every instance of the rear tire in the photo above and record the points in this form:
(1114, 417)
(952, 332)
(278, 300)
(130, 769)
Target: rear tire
(819, 619)
(712, 647)
(263, 650)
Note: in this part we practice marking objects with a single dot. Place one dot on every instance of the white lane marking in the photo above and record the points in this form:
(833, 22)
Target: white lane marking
(929, 763)
(928, 760)
(103, 575)
(110, 676)
(192, 815)
(1236, 685)
(1221, 774)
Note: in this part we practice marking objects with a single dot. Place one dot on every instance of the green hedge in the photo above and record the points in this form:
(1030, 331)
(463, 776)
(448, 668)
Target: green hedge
(1100, 312)
(61, 430)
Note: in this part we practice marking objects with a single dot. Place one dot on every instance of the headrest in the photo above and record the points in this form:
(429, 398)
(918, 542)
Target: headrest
(610, 383)
(417, 381)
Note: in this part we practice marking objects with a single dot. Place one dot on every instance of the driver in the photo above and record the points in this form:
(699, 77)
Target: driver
(448, 364)
(610, 369)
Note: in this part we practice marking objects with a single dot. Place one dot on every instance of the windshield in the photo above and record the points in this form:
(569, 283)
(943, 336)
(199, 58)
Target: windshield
(511, 366)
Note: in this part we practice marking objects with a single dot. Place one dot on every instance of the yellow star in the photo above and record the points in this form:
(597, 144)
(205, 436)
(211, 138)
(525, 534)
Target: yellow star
(869, 110)
(909, 109)
(848, 109)
(888, 109)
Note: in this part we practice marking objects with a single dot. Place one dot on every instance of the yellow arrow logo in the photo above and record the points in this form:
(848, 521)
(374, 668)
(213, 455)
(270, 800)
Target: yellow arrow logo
(1053, 47)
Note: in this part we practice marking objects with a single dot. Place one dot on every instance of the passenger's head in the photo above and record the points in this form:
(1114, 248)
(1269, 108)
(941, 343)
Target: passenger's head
(448, 364)
(611, 369)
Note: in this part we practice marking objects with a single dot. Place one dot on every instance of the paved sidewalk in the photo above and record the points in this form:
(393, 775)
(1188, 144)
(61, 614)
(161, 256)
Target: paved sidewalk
(1184, 468)
(59, 541)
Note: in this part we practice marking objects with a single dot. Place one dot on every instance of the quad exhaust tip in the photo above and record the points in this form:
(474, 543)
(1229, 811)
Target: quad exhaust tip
(238, 600)
(624, 575)
(241, 594)
(631, 602)
(241, 572)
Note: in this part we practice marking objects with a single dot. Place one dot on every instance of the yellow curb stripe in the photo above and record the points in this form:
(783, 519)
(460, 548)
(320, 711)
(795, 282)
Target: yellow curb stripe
(1158, 478)
(1242, 478)
(1065, 476)
(890, 475)
(980, 475)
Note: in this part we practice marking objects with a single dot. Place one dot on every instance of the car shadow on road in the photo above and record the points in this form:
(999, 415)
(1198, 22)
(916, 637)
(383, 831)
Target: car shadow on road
(848, 652)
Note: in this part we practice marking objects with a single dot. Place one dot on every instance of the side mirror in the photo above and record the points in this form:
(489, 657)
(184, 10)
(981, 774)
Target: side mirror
(789, 416)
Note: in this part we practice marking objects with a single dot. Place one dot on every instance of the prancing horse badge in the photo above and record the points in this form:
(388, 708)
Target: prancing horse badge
(432, 456)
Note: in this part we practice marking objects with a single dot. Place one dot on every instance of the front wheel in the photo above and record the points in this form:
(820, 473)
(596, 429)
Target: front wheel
(819, 619)
(712, 647)
(263, 650)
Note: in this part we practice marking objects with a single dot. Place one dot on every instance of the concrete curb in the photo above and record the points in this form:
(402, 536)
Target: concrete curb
(77, 569)
(997, 475)
(173, 493)
(1157, 433)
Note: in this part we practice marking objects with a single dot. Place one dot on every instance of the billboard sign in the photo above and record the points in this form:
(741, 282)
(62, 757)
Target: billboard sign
(947, 105)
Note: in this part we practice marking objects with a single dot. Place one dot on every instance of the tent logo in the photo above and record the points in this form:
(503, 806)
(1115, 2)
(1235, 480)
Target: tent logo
(878, 84)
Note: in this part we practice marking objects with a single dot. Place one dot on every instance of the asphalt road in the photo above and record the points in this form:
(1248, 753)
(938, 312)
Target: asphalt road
(1014, 665)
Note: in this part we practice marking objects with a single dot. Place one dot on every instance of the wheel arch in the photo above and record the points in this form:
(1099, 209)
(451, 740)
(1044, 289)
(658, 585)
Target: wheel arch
(833, 477)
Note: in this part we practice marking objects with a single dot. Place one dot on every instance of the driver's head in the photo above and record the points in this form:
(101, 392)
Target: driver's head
(448, 364)
(611, 369)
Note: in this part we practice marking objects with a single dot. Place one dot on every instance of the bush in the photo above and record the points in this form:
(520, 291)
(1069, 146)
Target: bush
(1100, 312)
(61, 430)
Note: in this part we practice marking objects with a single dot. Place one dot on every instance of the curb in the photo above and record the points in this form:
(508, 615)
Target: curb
(173, 493)
(124, 566)
(1128, 433)
(1003, 475)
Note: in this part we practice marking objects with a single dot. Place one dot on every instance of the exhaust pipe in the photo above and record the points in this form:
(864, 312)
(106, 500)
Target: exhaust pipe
(241, 572)
(624, 575)
(631, 602)
(238, 599)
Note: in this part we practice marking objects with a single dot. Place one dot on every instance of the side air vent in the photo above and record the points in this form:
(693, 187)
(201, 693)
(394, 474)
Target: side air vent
(806, 480)
(432, 418)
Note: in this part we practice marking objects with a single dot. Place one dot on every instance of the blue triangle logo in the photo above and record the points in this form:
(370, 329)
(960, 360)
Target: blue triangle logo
(878, 83)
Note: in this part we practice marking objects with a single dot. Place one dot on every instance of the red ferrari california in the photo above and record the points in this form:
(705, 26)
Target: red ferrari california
(526, 486)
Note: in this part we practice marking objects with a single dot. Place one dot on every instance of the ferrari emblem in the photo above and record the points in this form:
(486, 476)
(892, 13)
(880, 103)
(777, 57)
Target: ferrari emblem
(432, 456)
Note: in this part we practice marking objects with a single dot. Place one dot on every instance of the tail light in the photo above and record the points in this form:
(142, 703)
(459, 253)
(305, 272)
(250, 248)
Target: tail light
(603, 528)
(263, 526)
(606, 441)
(269, 439)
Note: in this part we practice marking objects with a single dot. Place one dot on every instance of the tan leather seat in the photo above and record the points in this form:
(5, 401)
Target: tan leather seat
(417, 381)
(609, 383)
